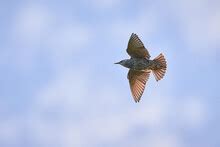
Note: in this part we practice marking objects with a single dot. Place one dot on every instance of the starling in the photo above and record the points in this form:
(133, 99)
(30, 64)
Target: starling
(140, 66)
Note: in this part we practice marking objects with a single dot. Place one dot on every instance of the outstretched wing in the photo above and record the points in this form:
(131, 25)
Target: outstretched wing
(136, 48)
(137, 81)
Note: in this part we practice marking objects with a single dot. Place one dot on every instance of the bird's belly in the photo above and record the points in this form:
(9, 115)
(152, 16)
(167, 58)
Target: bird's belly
(140, 64)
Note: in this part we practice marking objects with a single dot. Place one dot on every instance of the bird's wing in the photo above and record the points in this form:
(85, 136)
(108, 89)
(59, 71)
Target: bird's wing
(137, 81)
(136, 48)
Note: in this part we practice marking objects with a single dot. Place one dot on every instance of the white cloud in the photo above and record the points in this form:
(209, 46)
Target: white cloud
(164, 140)
(146, 23)
(67, 91)
(194, 113)
(66, 40)
(70, 36)
(52, 118)
(95, 127)
(72, 136)
(35, 33)
(30, 23)
(27, 31)
(151, 115)
(10, 130)
(199, 21)
(77, 114)
(103, 4)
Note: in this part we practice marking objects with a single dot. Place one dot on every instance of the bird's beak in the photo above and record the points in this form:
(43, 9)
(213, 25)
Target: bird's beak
(117, 63)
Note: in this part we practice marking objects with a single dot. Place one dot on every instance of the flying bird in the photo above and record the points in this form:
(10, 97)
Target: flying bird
(140, 66)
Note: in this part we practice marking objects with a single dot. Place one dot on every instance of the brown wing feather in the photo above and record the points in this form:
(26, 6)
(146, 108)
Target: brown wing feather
(136, 48)
(137, 81)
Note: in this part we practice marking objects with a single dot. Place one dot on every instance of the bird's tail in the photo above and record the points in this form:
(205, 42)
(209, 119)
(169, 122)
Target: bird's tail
(160, 72)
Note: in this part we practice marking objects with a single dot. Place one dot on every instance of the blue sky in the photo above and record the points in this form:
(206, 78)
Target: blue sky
(59, 86)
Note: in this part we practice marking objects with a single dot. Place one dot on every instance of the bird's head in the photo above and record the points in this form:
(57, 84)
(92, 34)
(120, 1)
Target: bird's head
(123, 62)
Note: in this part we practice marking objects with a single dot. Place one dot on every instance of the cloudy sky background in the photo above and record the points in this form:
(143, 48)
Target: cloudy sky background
(59, 86)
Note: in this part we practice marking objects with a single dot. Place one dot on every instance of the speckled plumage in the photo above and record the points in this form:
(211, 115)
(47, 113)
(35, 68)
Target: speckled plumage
(140, 66)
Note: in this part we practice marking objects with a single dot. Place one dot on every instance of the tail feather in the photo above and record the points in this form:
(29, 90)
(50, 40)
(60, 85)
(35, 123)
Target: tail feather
(160, 72)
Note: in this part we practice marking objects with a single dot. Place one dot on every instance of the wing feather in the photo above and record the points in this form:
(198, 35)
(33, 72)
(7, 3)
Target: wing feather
(136, 48)
(137, 81)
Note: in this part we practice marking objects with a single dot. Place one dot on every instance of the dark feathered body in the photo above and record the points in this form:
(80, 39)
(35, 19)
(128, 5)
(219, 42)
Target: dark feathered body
(142, 64)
